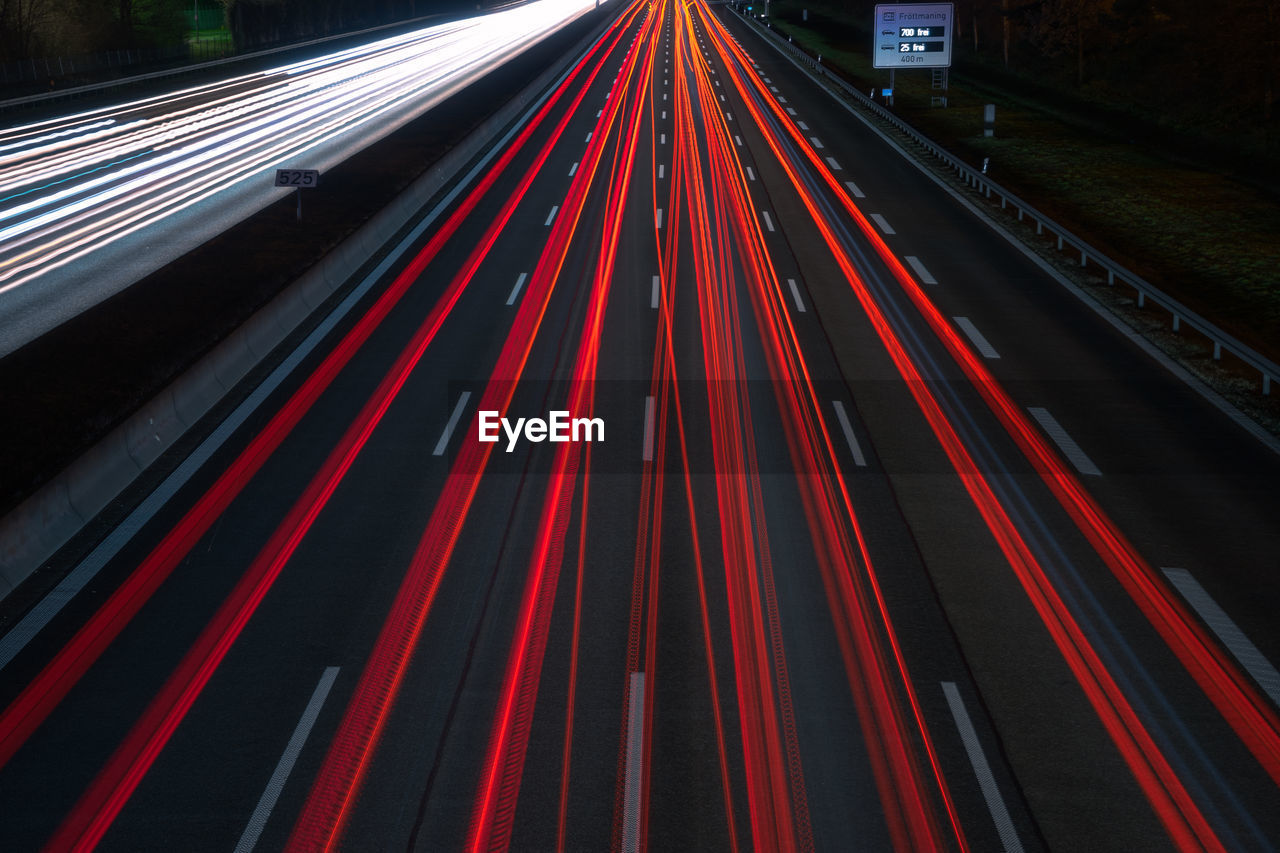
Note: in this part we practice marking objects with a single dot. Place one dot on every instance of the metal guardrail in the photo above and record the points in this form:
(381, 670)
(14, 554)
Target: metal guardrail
(974, 178)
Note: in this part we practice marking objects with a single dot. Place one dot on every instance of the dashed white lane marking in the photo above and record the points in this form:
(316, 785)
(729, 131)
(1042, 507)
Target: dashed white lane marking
(588, 139)
(1254, 661)
(663, 139)
(750, 174)
(853, 188)
(658, 217)
(728, 115)
(982, 769)
(773, 89)
(883, 223)
(664, 96)
(831, 161)
(924, 274)
(664, 113)
(817, 143)
(515, 291)
(790, 111)
(573, 169)
(1065, 443)
(633, 772)
(738, 139)
(653, 295)
(662, 169)
(722, 97)
(781, 100)
(552, 214)
(795, 294)
(647, 450)
(768, 223)
(979, 340)
(451, 425)
(847, 429)
(267, 802)
(802, 125)
(767, 80)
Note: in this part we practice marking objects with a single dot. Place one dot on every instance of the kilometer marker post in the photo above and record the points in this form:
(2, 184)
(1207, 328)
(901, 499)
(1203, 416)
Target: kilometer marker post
(298, 178)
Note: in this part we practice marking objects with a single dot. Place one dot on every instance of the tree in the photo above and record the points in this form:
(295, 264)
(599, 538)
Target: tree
(1066, 27)
(1259, 51)
(21, 23)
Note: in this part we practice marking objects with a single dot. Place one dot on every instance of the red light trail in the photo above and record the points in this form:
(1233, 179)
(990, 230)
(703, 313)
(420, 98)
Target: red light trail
(714, 258)
(113, 786)
(1175, 807)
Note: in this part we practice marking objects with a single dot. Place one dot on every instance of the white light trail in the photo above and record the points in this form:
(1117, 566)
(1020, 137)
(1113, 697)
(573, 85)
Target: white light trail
(71, 186)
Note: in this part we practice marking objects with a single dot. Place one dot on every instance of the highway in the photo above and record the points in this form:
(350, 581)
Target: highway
(93, 201)
(872, 535)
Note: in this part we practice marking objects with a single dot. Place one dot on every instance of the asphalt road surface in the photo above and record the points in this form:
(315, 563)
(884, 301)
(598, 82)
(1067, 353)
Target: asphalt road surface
(871, 535)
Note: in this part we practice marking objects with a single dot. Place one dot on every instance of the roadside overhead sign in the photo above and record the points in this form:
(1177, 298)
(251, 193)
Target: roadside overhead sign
(913, 35)
(297, 177)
